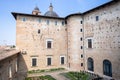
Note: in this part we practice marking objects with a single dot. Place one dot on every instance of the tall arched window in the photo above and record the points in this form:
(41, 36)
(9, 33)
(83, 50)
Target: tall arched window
(107, 68)
(90, 64)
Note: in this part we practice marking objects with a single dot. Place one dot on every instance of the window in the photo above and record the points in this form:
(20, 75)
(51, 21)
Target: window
(34, 62)
(81, 56)
(97, 18)
(16, 66)
(81, 64)
(90, 64)
(38, 31)
(24, 19)
(80, 30)
(48, 44)
(81, 22)
(89, 43)
(62, 60)
(81, 47)
(48, 61)
(81, 39)
(47, 22)
(107, 68)
(10, 72)
(63, 23)
(39, 20)
(55, 22)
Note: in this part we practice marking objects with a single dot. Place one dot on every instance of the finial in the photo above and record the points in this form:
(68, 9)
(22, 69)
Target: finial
(50, 7)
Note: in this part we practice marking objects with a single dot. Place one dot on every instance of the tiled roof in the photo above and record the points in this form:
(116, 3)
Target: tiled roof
(5, 53)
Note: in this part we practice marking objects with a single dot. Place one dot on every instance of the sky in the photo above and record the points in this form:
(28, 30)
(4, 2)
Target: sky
(61, 7)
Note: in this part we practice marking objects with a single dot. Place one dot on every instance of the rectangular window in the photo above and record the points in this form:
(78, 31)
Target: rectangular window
(81, 39)
(89, 43)
(47, 22)
(38, 31)
(81, 56)
(81, 64)
(55, 22)
(81, 22)
(39, 20)
(81, 47)
(62, 60)
(48, 61)
(49, 44)
(80, 30)
(24, 19)
(34, 62)
(97, 18)
(63, 23)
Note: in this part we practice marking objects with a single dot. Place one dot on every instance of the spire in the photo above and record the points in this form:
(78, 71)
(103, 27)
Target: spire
(50, 7)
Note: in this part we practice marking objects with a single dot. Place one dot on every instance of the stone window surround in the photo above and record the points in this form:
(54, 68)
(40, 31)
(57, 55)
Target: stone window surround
(64, 59)
(49, 39)
(36, 61)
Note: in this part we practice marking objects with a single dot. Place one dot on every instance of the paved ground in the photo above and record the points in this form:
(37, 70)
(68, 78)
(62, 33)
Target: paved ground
(57, 75)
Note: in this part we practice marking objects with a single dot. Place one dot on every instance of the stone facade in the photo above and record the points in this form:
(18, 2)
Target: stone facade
(69, 38)
(8, 64)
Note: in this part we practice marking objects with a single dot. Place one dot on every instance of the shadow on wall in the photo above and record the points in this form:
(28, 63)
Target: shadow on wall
(22, 68)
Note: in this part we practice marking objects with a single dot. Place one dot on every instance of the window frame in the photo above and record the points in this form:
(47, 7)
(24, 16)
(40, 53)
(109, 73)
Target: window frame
(32, 62)
(49, 64)
(90, 64)
(49, 40)
(61, 60)
(107, 64)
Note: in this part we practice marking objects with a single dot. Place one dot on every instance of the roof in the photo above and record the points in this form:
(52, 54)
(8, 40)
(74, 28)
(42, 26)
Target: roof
(98, 7)
(51, 13)
(5, 53)
(51, 17)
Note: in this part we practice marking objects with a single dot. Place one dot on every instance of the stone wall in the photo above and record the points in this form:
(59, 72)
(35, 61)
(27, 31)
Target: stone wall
(106, 38)
(34, 44)
(9, 68)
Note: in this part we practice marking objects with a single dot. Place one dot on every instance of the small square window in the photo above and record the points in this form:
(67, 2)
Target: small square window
(80, 30)
(81, 55)
(81, 64)
(24, 19)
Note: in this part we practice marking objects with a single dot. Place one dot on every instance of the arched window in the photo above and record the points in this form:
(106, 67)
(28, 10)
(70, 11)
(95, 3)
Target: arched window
(90, 64)
(107, 68)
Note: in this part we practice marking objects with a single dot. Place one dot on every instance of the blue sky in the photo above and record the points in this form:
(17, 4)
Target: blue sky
(61, 7)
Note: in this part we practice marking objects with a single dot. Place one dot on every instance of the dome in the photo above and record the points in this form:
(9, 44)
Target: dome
(51, 14)
(36, 8)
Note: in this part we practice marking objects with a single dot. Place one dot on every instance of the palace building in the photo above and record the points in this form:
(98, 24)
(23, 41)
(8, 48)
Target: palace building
(88, 41)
